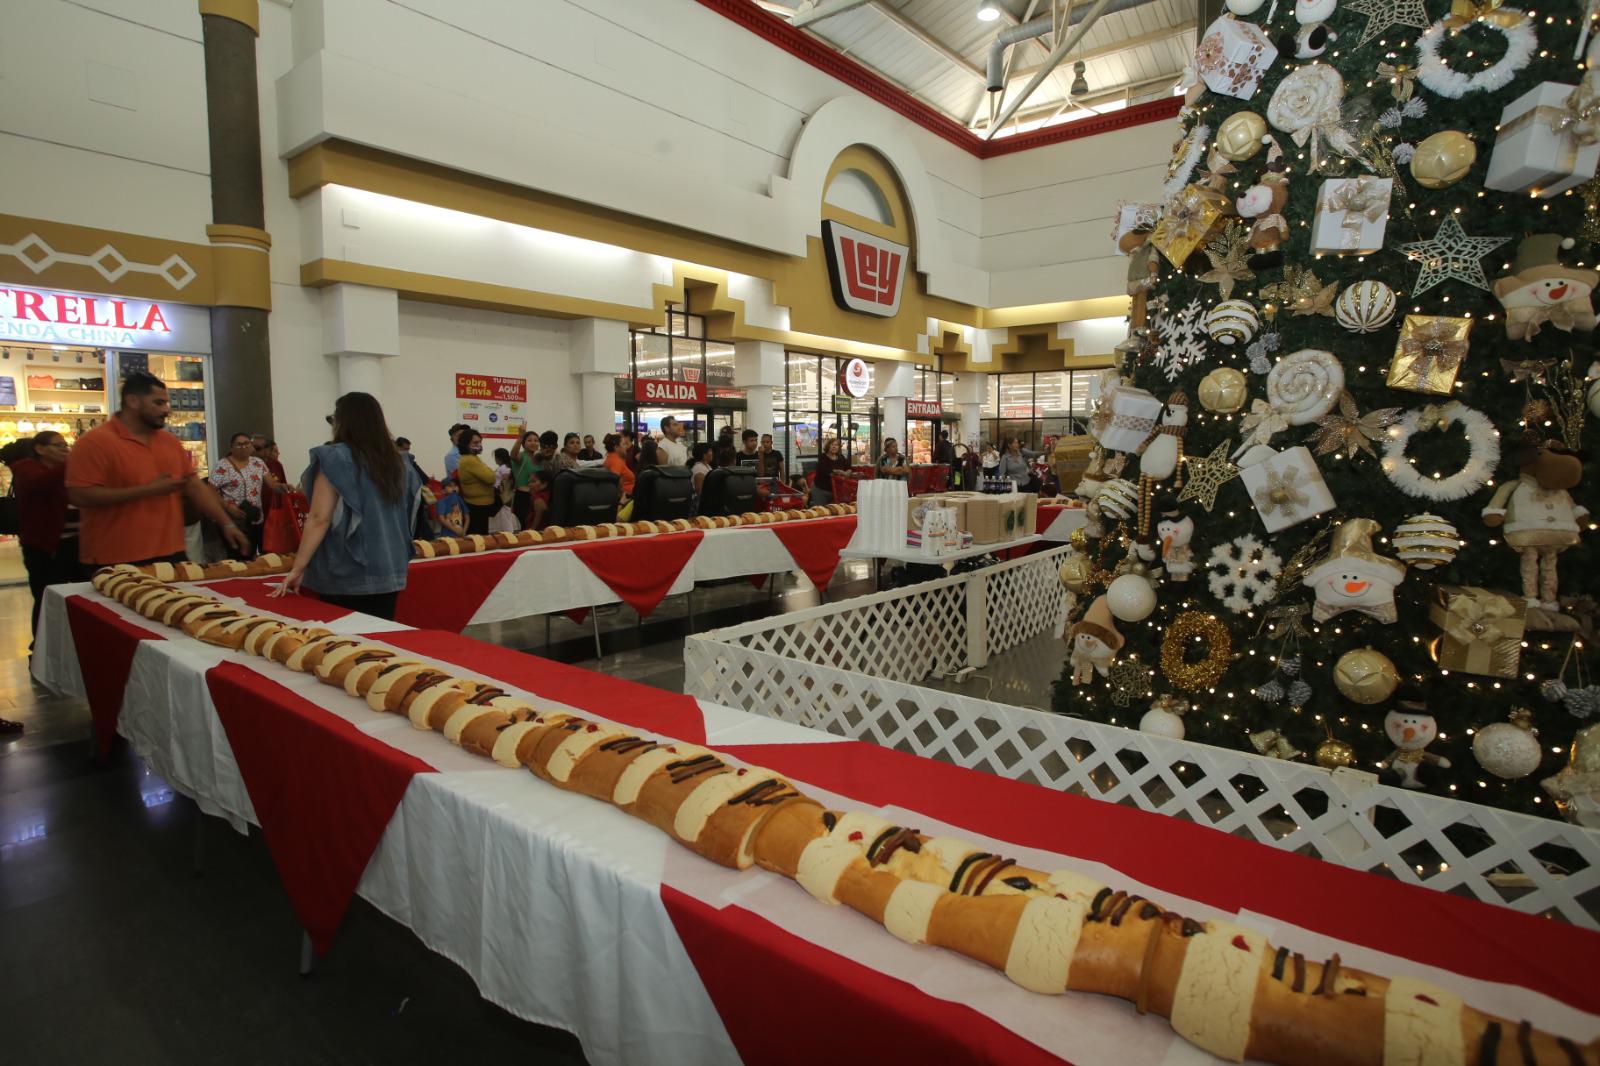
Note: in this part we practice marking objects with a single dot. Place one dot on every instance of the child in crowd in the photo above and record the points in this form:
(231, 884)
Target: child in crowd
(504, 480)
(451, 512)
(539, 497)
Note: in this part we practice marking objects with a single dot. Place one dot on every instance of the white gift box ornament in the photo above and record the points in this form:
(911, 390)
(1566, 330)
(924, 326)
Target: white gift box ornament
(1233, 56)
(1133, 215)
(1549, 140)
(1286, 487)
(1130, 416)
(1352, 214)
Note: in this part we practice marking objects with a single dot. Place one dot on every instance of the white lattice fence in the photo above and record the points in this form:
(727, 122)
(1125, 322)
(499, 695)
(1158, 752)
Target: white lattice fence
(1530, 864)
(906, 634)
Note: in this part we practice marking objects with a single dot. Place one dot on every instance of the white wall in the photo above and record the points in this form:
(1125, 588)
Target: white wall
(1047, 213)
(103, 115)
(438, 341)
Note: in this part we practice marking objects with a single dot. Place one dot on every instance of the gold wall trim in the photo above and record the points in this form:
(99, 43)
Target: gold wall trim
(39, 253)
(245, 11)
(244, 277)
(725, 314)
(248, 236)
(800, 283)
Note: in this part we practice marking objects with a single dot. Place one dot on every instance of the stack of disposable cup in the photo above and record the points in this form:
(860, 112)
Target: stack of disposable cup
(881, 516)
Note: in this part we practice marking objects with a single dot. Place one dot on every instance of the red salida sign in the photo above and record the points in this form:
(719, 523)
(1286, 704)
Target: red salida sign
(489, 387)
(866, 271)
(649, 390)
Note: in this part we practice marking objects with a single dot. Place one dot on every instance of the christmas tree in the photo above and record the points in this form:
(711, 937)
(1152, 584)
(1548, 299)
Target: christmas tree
(1340, 503)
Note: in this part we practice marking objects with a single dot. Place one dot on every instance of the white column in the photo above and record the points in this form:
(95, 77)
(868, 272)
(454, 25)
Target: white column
(893, 383)
(758, 368)
(971, 391)
(361, 328)
(597, 353)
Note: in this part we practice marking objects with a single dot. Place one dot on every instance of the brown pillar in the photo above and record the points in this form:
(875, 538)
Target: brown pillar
(241, 365)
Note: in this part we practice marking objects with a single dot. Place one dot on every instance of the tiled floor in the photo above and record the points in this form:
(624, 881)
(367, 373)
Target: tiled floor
(112, 949)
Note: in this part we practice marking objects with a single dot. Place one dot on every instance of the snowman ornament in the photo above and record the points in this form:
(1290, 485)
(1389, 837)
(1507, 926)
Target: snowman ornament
(1175, 531)
(1095, 642)
(1353, 577)
(1410, 728)
(1542, 291)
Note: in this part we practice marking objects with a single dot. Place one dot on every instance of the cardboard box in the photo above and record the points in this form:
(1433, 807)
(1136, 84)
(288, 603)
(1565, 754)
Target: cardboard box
(1070, 459)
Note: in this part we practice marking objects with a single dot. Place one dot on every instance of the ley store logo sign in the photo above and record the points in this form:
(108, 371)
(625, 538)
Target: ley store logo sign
(867, 272)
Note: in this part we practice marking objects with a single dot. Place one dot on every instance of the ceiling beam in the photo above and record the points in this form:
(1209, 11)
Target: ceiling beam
(1166, 33)
(927, 38)
(1113, 92)
(825, 9)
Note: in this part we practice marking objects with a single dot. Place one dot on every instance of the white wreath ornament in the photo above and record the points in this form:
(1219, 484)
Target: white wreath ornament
(1437, 75)
(1483, 442)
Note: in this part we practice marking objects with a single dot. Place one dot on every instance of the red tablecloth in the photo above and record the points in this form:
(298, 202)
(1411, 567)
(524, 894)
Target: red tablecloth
(323, 791)
(815, 546)
(282, 742)
(446, 593)
(640, 570)
(110, 641)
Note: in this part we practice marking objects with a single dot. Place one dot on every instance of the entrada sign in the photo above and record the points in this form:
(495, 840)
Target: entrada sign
(924, 409)
(43, 316)
(647, 390)
(866, 271)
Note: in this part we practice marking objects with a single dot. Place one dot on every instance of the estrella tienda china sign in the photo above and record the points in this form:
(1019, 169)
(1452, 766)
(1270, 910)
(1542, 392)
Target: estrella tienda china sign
(867, 272)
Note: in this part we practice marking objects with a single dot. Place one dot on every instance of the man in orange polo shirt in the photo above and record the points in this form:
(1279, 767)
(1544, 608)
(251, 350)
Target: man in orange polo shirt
(126, 476)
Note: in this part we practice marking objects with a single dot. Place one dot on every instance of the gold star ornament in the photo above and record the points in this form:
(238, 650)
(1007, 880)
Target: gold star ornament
(1208, 475)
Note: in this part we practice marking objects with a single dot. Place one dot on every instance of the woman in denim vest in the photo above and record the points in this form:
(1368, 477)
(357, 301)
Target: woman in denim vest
(364, 495)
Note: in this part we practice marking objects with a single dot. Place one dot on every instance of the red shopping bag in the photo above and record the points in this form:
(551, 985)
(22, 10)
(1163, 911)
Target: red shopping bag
(281, 531)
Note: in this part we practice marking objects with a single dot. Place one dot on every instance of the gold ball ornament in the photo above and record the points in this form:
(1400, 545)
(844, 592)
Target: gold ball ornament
(1224, 390)
(1075, 573)
(1365, 676)
(1333, 753)
(1443, 159)
(1239, 136)
(1509, 750)
(1079, 538)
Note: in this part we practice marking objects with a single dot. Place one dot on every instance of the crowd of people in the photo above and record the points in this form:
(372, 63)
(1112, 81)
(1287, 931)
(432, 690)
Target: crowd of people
(127, 492)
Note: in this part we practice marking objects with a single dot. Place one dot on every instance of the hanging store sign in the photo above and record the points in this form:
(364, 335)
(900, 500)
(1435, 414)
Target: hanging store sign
(842, 404)
(924, 409)
(853, 379)
(673, 392)
(866, 271)
(45, 316)
(494, 406)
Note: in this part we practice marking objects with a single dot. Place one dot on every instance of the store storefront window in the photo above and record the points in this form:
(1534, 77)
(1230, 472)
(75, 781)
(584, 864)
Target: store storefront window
(932, 387)
(811, 409)
(699, 372)
(1037, 407)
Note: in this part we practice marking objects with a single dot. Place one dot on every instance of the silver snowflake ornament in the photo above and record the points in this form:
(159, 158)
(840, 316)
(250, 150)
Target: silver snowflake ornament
(1381, 14)
(1451, 255)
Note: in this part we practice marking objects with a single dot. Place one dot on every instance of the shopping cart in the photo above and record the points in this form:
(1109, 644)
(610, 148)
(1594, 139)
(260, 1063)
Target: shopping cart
(781, 497)
(846, 486)
(928, 477)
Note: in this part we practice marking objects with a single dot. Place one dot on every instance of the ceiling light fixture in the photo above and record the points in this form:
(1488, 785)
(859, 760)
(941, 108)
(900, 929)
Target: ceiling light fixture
(1080, 84)
(989, 10)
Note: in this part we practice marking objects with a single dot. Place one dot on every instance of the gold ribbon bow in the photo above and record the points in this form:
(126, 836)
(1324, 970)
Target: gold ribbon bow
(1359, 200)
(1190, 215)
(1475, 617)
(1575, 122)
(1465, 12)
(1402, 79)
(1432, 345)
(1281, 492)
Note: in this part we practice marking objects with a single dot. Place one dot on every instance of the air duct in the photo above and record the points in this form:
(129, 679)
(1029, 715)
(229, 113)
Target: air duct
(1005, 39)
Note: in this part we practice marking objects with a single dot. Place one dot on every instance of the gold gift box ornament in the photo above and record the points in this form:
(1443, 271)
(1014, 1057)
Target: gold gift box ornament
(1429, 354)
(1187, 221)
(1481, 630)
